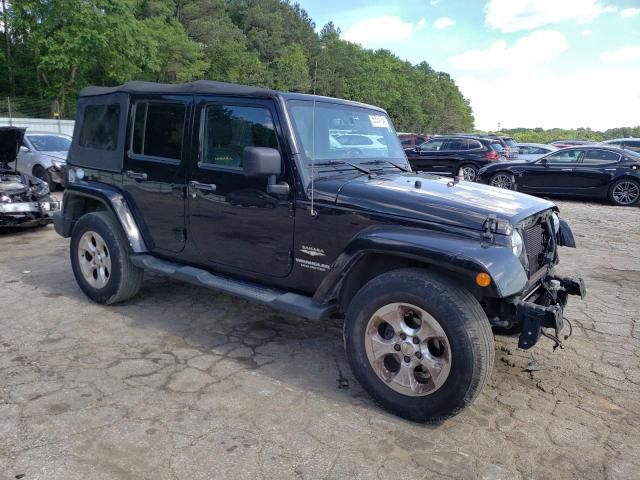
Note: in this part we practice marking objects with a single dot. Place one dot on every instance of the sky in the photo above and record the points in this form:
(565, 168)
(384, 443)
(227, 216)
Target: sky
(521, 63)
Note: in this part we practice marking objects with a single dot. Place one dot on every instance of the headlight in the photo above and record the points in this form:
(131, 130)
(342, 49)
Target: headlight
(516, 243)
(556, 222)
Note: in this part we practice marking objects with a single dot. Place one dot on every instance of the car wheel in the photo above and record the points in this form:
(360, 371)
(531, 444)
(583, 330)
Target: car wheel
(624, 192)
(100, 259)
(420, 345)
(469, 172)
(40, 172)
(503, 180)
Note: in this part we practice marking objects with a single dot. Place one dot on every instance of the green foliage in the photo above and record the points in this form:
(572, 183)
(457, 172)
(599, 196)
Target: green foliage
(60, 46)
(539, 135)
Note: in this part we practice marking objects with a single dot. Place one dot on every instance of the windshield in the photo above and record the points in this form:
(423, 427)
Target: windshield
(510, 142)
(50, 143)
(344, 132)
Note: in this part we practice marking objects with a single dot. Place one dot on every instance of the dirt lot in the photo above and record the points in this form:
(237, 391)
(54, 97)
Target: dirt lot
(189, 384)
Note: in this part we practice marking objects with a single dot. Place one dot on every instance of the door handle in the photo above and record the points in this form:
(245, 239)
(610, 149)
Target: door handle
(567, 169)
(136, 175)
(204, 187)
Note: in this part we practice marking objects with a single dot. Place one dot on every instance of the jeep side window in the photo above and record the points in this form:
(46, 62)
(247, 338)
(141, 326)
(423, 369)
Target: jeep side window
(158, 129)
(230, 128)
(100, 127)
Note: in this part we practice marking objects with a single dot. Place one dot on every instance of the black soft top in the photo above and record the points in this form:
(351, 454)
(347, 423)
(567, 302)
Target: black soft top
(193, 88)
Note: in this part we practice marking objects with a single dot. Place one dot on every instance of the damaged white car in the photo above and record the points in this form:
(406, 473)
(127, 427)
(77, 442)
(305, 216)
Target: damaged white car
(24, 200)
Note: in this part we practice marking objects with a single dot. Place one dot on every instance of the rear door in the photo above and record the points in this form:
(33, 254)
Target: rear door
(595, 169)
(234, 223)
(154, 172)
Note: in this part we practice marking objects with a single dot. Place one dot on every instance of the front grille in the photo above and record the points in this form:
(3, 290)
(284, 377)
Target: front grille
(534, 245)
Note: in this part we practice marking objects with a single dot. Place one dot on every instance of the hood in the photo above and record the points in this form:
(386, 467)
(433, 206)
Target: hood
(10, 141)
(438, 199)
(60, 156)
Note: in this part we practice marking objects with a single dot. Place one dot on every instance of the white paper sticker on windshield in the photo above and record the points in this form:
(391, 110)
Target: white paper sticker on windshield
(379, 121)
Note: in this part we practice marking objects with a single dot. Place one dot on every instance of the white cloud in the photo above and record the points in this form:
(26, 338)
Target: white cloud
(513, 16)
(421, 23)
(626, 54)
(386, 28)
(629, 12)
(538, 48)
(434, 2)
(443, 22)
(587, 33)
(545, 99)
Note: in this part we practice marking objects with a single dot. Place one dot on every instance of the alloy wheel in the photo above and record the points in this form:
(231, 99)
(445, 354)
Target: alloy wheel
(469, 173)
(94, 259)
(408, 349)
(626, 193)
(502, 180)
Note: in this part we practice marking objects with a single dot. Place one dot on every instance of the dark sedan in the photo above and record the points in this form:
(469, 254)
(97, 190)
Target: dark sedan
(587, 171)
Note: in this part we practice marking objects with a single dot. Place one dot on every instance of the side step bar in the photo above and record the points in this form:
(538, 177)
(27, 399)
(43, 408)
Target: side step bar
(277, 299)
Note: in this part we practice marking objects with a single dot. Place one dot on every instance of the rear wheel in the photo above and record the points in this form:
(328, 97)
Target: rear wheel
(624, 192)
(469, 172)
(503, 180)
(100, 259)
(418, 344)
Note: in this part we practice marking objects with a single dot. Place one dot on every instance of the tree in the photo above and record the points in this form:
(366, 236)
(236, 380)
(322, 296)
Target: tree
(290, 70)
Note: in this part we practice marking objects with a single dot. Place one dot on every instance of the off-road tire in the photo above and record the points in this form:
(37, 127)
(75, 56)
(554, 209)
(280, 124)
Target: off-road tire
(125, 278)
(463, 321)
(612, 196)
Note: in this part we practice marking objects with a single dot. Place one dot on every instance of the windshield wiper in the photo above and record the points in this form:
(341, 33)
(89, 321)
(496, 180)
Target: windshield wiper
(342, 162)
(379, 162)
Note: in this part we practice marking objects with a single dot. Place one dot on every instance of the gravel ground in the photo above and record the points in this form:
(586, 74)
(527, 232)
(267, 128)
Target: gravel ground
(189, 384)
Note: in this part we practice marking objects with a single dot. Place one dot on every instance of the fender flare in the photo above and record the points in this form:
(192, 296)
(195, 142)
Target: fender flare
(457, 254)
(112, 199)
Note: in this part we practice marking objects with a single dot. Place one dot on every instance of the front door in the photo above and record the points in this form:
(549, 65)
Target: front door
(552, 174)
(154, 174)
(234, 223)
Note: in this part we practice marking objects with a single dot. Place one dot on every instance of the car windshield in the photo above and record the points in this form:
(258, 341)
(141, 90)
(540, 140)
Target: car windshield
(510, 142)
(50, 143)
(344, 133)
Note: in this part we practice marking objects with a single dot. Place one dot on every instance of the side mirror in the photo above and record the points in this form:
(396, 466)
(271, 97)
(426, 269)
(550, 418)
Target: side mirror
(265, 162)
(24, 149)
(261, 162)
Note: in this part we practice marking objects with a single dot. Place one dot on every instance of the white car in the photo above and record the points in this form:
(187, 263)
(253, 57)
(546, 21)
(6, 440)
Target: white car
(533, 151)
(44, 155)
(358, 144)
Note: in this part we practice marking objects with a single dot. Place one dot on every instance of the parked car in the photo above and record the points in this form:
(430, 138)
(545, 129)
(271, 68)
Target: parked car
(362, 145)
(24, 199)
(238, 189)
(589, 171)
(533, 151)
(44, 155)
(448, 155)
(570, 143)
(412, 140)
(632, 144)
(509, 145)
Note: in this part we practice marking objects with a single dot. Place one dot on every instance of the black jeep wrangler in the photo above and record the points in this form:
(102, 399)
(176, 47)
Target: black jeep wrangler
(249, 191)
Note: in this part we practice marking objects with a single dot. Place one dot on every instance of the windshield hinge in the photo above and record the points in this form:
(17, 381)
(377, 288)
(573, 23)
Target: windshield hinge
(490, 226)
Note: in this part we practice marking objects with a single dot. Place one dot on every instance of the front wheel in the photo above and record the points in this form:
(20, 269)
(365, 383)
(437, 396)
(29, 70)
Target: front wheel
(420, 345)
(100, 259)
(503, 180)
(624, 192)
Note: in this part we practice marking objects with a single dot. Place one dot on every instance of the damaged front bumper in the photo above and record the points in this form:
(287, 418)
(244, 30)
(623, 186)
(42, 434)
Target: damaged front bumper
(22, 214)
(544, 309)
